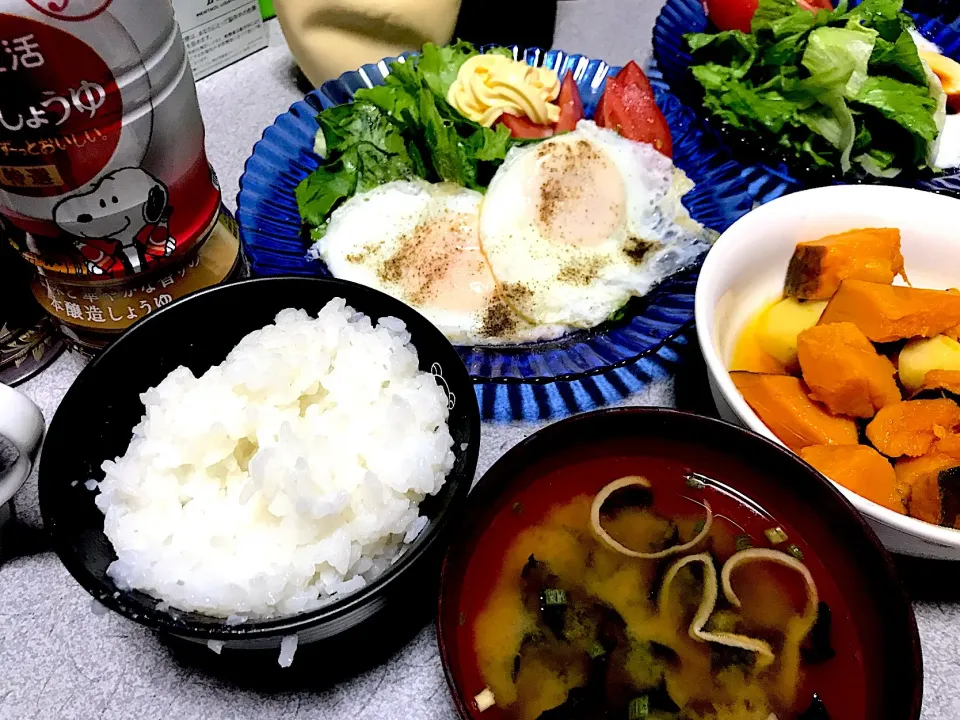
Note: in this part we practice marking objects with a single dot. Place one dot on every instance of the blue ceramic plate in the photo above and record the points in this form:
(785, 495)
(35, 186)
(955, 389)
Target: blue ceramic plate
(547, 380)
(769, 181)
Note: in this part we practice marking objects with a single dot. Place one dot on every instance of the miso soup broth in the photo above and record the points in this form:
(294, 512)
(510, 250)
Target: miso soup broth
(733, 619)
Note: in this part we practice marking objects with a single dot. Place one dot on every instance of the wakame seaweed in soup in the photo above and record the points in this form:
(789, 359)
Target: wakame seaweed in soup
(653, 597)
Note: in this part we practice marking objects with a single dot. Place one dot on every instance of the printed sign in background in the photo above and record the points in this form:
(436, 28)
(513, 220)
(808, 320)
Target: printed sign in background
(219, 32)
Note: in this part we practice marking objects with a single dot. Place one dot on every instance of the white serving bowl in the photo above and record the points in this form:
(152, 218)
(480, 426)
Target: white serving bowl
(746, 268)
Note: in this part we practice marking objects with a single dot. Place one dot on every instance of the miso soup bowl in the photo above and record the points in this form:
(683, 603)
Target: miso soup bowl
(746, 269)
(759, 470)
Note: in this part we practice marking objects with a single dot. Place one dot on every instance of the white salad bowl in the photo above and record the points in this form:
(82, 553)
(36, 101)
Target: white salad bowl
(746, 268)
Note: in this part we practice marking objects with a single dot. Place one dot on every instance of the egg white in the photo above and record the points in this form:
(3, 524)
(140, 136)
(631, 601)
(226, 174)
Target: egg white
(419, 242)
(576, 225)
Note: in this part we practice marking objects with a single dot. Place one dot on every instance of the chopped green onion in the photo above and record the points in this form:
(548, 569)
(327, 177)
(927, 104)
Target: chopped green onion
(775, 535)
(698, 528)
(743, 542)
(596, 650)
(795, 551)
(554, 596)
(639, 708)
(695, 481)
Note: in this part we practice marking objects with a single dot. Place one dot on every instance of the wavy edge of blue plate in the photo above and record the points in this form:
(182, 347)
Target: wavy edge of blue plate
(529, 382)
(768, 182)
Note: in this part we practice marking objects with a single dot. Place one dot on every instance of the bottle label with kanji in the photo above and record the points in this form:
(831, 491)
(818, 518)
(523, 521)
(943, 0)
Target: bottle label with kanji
(103, 172)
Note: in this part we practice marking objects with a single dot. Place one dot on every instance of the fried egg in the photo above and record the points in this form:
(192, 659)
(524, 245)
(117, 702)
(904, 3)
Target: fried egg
(420, 243)
(576, 225)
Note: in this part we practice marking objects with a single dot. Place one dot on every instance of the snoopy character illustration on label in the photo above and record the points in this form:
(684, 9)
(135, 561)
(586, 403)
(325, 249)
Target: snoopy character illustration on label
(103, 171)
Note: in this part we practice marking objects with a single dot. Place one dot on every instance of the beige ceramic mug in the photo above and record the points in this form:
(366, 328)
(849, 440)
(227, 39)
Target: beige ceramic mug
(330, 37)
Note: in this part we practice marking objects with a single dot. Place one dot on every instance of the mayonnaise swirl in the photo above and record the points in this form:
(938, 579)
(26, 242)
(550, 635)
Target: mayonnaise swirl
(489, 85)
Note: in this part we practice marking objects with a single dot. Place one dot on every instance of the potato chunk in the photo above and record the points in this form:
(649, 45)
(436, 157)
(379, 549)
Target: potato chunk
(780, 325)
(923, 355)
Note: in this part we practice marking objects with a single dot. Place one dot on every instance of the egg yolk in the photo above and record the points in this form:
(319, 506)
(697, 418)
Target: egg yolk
(440, 264)
(579, 195)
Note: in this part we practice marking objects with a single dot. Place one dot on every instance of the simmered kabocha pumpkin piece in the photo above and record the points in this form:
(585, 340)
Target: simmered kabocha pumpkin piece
(845, 372)
(912, 427)
(818, 267)
(949, 445)
(782, 403)
(858, 468)
(941, 383)
(885, 313)
(918, 480)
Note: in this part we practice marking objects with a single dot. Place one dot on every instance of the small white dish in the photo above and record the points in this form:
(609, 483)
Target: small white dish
(21, 426)
(746, 268)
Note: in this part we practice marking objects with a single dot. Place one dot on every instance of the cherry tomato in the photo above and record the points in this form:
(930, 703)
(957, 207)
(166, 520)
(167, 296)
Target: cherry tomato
(600, 112)
(522, 127)
(571, 106)
(629, 108)
(731, 14)
(631, 74)
(737, 14)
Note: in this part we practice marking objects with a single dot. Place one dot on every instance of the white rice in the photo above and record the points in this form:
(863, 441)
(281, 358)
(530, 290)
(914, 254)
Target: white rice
(288, 648)
(288, 474)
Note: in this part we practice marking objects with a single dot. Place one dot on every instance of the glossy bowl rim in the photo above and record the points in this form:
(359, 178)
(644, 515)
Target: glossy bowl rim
(714, 269)
(505, 471)
(338, 610)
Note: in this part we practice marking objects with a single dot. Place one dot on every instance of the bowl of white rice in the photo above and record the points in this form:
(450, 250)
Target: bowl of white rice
(262, 464)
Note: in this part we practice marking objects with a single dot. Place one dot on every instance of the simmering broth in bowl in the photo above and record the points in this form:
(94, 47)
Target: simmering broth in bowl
(646, 563)
(563, 625)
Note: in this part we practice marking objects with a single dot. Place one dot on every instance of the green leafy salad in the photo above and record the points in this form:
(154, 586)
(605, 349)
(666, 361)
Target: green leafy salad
(843, 88)
(401, 130)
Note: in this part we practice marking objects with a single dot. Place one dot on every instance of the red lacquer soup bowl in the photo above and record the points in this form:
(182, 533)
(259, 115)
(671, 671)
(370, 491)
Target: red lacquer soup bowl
(759, 497)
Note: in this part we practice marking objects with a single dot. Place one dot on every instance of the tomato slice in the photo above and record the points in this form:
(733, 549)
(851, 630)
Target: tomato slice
(571, 106)
(600, 113)
(631, 74)
(629, 108)
(522, 127)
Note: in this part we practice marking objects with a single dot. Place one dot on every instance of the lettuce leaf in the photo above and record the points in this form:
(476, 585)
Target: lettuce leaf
(910, 106)
(733, 48)
(364, 149)
(884, 16)
(438, 65)
(843, 88)
(779, 17)
(400, 130)
(900, 60)
(839, 52)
